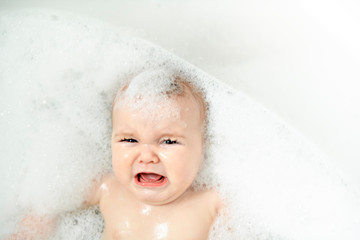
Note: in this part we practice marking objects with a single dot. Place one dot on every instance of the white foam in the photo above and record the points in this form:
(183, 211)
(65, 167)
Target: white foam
(148, 91)
(60, 74)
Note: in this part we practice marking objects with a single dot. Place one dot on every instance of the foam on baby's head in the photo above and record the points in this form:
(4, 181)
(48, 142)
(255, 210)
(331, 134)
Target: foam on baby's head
(156, 94)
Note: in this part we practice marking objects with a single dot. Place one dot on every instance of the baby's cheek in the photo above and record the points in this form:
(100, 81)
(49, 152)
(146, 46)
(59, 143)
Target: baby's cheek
(118, 164)
(195, 157)
(190, 167)
(120, 154)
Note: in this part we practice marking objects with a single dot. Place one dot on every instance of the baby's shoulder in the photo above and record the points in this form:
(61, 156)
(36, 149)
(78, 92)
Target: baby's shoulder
(200, 206)
(210, 194)
(108, 185)
(109, 179)
(100, 188)
(209, 197)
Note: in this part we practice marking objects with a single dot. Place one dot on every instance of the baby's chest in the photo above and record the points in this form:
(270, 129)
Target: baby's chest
(159, 231)
(130, 223)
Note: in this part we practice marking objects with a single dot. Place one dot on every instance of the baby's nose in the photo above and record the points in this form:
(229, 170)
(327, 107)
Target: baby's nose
(148, 155)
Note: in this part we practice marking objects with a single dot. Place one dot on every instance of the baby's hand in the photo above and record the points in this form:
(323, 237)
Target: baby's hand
(34, 227)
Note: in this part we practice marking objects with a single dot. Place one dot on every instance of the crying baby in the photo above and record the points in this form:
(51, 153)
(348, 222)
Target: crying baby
(157, 142)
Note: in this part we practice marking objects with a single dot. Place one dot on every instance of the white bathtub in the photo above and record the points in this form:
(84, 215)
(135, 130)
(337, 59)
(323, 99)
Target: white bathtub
(283, 56)
(299, 58)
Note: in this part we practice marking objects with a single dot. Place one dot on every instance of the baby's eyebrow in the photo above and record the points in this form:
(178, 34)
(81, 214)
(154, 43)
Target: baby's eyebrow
(119, 133)
(172, 134)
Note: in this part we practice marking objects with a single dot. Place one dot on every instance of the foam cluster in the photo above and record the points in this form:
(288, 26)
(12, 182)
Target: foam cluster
(151, 93)
(59, 76)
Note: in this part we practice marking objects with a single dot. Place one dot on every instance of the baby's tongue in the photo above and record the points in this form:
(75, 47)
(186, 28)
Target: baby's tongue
(149, 177)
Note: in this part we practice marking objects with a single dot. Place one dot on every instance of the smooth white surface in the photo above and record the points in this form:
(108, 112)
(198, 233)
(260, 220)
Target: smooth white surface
(299, 58)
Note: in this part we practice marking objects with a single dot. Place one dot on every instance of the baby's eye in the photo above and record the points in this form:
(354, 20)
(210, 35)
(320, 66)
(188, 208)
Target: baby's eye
(169, 141)
(129, 140)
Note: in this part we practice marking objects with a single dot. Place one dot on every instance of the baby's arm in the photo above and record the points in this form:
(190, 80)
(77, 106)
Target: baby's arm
(34, 227)
(37, 227)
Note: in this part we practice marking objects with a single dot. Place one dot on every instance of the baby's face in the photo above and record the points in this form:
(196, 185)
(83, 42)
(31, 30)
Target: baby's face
(156, 158)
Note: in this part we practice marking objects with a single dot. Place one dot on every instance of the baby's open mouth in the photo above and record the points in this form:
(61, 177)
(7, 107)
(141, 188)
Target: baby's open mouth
(150, 179)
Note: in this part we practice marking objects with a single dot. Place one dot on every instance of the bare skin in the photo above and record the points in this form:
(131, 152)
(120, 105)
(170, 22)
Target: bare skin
(34, 227)
(187, 218)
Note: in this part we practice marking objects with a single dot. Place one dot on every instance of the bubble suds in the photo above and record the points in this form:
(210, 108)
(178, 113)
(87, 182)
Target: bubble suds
(60, 74)
(150, 93)
(82, 224)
